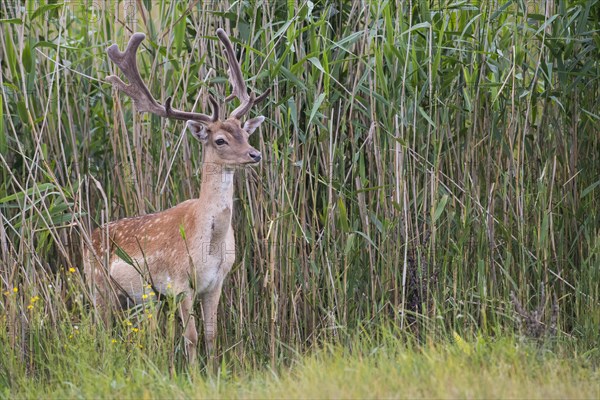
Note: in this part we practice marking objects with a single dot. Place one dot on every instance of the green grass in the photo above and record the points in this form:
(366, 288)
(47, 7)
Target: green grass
(390, 368)
(423, 160)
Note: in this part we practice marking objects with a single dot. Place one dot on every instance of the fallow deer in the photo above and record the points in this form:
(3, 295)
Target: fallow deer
(189, 248)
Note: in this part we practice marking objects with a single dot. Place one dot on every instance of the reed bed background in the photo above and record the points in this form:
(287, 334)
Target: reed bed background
(431, 167)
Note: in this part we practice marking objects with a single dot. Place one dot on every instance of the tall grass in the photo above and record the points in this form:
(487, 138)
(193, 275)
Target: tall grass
(422, 160)
(391, 369)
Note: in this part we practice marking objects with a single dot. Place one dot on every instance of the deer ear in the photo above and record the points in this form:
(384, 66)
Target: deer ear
(251, 125)
(198, 130)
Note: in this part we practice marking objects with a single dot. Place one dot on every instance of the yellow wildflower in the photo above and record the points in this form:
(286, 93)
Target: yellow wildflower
(144, 296)
(152, 294)
(72, 270)
(135, 330)
(16, 289)
(29, 307)
(114, 341)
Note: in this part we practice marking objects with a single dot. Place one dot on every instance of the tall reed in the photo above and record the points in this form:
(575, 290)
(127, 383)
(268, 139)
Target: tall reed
(423, 160)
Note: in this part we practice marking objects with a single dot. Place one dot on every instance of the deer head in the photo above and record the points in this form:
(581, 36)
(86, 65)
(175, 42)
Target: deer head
(225, 141)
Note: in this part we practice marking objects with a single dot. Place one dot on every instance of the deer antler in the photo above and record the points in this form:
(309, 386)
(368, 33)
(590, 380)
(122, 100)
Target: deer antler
(138, 91)
(236, 80)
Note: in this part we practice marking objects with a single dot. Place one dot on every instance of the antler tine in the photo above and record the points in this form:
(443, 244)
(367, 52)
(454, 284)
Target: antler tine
(262, 96)
(187, 116)
(235, 72)
(258, 99)
(138, 91)
(236, 79)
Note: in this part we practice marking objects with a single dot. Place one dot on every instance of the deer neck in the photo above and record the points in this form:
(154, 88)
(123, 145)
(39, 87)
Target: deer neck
(216, 191)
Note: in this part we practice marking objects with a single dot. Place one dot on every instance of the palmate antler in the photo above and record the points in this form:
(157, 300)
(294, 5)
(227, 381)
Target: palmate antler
(138, 91)
(143, 100)
(236, 80)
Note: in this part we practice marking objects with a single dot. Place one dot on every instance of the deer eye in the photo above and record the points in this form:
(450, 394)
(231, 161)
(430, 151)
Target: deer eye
(220, 142)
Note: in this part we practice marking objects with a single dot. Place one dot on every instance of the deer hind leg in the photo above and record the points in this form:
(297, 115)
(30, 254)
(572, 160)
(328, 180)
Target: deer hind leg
(99, 290)
(108, 300)
(189, 325)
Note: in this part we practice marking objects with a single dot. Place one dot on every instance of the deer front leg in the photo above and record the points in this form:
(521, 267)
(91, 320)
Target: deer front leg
(210, 303)
(189, 325)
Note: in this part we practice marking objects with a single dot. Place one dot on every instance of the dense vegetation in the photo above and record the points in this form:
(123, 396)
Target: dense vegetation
(431, 172)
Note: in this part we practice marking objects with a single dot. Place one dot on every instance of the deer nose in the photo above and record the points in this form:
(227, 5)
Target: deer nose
(255, 155)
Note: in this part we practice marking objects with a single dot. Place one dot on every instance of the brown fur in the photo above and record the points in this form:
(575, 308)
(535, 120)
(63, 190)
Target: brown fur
(190, 248)
(186, 249)
(149, 233)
